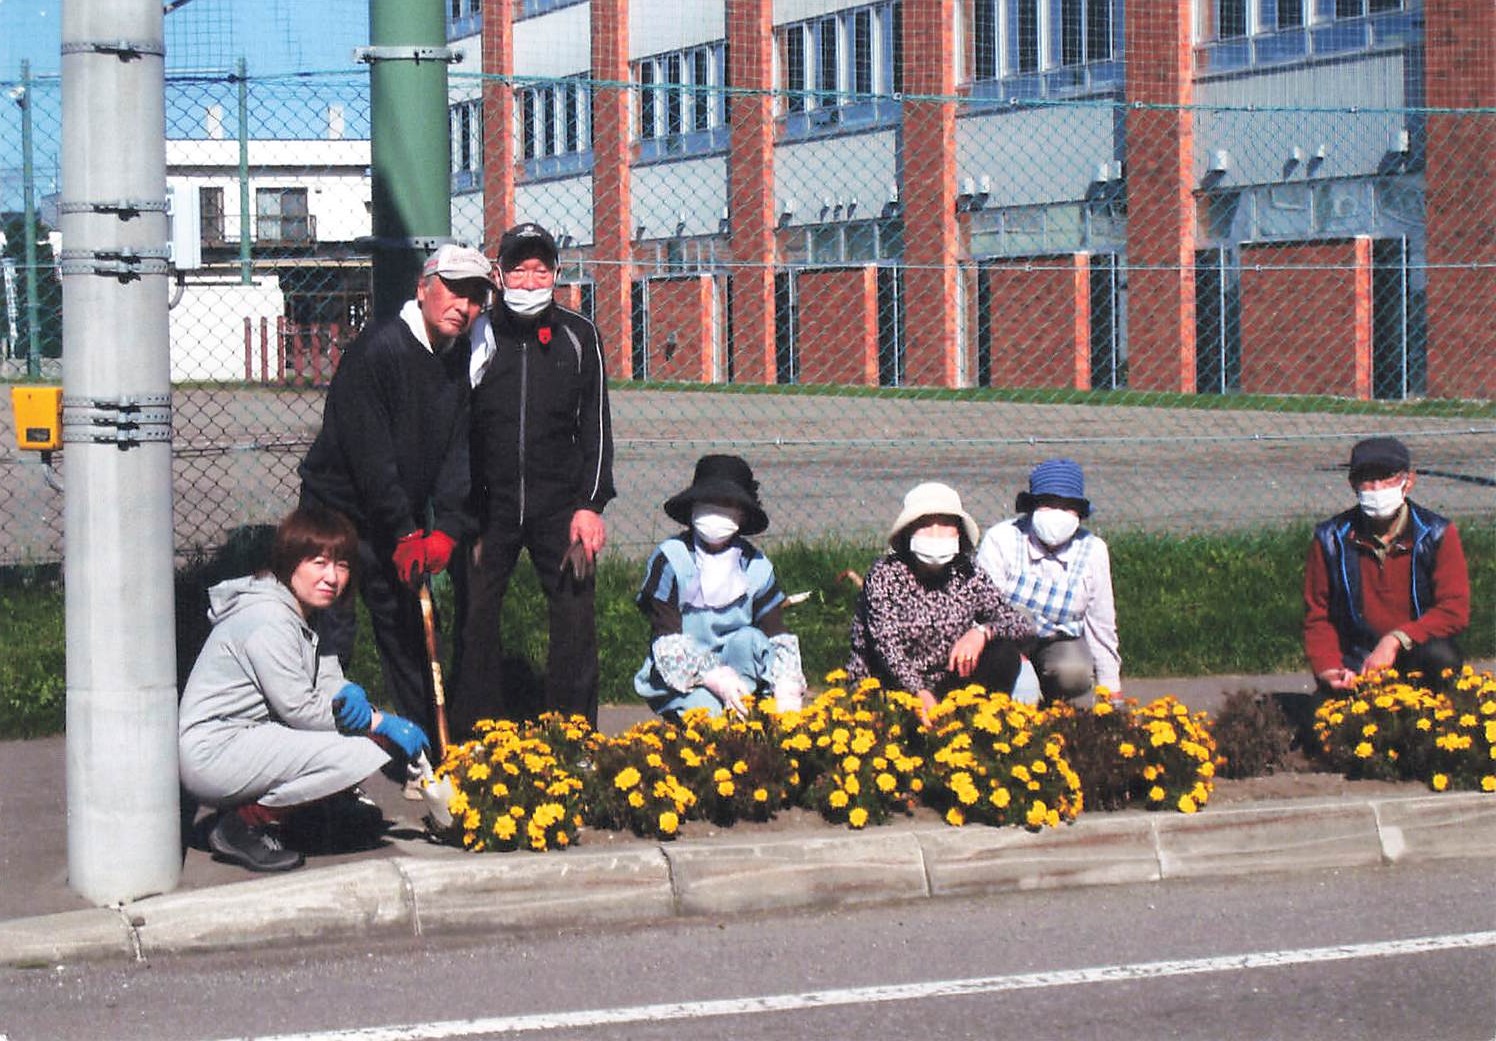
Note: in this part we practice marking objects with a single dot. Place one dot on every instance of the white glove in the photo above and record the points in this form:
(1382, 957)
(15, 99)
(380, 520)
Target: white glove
(788, 697)
(436, 794)
(728, 686)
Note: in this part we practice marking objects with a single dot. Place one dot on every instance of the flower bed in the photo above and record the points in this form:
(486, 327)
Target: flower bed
(1388, 729)
(859, 756)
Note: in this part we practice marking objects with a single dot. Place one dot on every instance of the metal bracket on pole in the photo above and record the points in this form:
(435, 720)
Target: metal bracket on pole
(126, 422)
(124, 264)
(369, 55)
(124, 50)
(125, 208)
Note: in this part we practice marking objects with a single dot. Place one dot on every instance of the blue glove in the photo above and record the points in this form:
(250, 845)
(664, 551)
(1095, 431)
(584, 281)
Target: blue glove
(351, 709)
(410, 738)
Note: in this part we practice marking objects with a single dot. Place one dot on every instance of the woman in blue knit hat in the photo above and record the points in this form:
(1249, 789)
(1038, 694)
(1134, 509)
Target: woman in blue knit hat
(1045, 562)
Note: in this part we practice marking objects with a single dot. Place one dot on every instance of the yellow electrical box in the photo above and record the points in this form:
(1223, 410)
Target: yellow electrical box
(38, 412)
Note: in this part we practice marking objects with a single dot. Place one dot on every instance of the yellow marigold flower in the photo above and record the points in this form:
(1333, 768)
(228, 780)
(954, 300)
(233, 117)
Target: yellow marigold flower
(1037, 814)
(1102, 708)
(1187, 804)
(1150, 773)
(837, 799)
(636, 799)
(886, 782)
(689, 757)
(1363, 750)
(836, 676)
(1156, 794)
(1039, 766)
(852, 785)
(740, 767)
(726, 788)
(653, 759)
(851, 764)
(504, 827)
(760, 795)
(458, 804)
(1368, 730)
(1000, 797)
(1439, 782)
(954, 817)
(1488, 783)
(516, 812)
(722, 773)
(478, 772)
(858, 817)
(669, 821)
(626, 778)
(471, 819)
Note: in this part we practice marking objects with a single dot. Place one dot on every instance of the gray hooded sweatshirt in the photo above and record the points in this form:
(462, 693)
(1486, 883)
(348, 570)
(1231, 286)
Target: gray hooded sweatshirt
(255, 722)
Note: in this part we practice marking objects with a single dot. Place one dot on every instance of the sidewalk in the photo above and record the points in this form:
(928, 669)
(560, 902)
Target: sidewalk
(409, 886)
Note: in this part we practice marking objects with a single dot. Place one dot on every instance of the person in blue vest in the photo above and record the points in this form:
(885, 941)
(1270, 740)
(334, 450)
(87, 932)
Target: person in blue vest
(1045, 562)
(715, 609)
(1386, 582)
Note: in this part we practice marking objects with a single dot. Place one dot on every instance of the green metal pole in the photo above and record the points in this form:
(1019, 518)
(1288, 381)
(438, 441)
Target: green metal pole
(28, 189)
(246, 261)
(409, 147)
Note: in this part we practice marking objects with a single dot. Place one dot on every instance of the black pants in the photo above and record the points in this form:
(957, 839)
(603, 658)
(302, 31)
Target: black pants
(395, 614)
(996, 669)
(571, 672)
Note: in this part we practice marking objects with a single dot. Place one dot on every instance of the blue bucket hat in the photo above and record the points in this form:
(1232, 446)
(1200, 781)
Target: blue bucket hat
(1061, 478)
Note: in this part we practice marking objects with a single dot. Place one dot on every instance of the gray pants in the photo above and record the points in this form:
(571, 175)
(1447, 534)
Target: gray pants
(273, 764)
(1065, 667)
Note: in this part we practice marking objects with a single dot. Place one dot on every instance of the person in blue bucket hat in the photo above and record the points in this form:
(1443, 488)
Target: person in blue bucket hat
(1045, 562)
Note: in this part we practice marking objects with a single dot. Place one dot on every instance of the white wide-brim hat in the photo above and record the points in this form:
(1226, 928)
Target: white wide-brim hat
(932, 499)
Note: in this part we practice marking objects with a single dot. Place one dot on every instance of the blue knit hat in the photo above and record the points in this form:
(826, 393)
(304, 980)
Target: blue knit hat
(1061, 478)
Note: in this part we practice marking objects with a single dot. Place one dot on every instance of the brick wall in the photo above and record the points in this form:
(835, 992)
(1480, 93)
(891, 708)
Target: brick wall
(841, 309)
(682, 327)
(1040, 317)
(750, 177)
(1460, 72)
(1306, 318)
(498, 113)
(611, 181)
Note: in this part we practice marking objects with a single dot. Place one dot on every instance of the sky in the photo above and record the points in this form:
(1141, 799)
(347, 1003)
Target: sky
(274, 36)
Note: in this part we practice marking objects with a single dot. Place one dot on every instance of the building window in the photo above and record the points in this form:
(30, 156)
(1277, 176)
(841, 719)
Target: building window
(1029, 48)
(840, 69)
(464, 18)
(281, 215)
(1238, 34)
(211, 216)
(465, 125)
(554, 118)
(682, 106)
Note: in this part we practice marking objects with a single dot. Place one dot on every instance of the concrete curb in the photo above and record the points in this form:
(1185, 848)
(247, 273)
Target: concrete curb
(424, 895)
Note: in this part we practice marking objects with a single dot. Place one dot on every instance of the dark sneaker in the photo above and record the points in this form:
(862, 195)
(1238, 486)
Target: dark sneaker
(255, 848)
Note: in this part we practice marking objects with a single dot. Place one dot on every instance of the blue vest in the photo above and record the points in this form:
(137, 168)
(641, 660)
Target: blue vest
(1343, 562)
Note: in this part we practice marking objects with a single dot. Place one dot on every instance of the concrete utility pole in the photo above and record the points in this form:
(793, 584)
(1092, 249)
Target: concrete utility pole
(124, 828)
(409, 147)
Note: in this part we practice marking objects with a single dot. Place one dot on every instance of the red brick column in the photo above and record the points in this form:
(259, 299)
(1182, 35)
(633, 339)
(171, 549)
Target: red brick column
(928, 191)
(1281, 351)
(1040, 315)
(498, 122)
(842, 306)
(682, 329)
(750, 188)
(1460, 72)
(611, 211)
(1160, 203)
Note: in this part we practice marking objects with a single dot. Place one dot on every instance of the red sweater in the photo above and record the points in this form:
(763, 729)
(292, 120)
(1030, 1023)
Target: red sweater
(1386, 595)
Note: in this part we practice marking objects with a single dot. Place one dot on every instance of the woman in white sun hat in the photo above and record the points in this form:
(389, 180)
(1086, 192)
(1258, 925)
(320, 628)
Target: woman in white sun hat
(928, 621)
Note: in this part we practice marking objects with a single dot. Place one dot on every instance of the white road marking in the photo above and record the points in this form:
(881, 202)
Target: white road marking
(894, 992)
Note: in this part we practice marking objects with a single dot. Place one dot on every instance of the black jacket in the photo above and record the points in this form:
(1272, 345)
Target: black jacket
(394, 435)
(542, 439)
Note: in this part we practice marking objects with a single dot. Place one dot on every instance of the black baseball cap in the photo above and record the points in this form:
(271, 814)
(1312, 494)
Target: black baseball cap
(1379, 457)
(524, 241)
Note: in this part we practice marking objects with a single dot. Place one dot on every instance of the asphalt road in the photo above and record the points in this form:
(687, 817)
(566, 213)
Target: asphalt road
(1401, 952)
(837, 466)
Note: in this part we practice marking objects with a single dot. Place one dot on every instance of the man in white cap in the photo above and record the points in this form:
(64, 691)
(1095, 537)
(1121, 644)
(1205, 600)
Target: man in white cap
(392, 456)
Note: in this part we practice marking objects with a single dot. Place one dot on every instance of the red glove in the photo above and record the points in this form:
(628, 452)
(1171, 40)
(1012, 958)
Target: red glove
(410, 557)
(439, 546)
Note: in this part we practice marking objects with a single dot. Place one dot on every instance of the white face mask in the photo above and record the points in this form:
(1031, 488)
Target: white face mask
(1380, 503)
(527, 302)
(712, 524)
(935, 550)
(1054, 526)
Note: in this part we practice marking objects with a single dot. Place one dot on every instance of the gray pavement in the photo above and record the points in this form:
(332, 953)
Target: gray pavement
(410, 887)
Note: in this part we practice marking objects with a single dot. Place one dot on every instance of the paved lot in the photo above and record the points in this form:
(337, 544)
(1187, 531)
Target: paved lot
(839, 465)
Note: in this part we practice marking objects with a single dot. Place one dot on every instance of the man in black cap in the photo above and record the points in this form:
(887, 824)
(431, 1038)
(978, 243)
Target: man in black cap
(542, 447)
(1386, 582)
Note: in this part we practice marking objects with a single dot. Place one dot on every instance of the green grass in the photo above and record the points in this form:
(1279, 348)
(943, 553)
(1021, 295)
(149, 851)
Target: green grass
(1192, 605)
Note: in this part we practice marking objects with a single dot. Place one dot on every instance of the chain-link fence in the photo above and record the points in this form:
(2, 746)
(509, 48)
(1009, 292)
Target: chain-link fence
(865, 245)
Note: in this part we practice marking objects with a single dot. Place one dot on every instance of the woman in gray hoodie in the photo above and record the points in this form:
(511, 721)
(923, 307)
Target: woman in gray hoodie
(267, 723)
